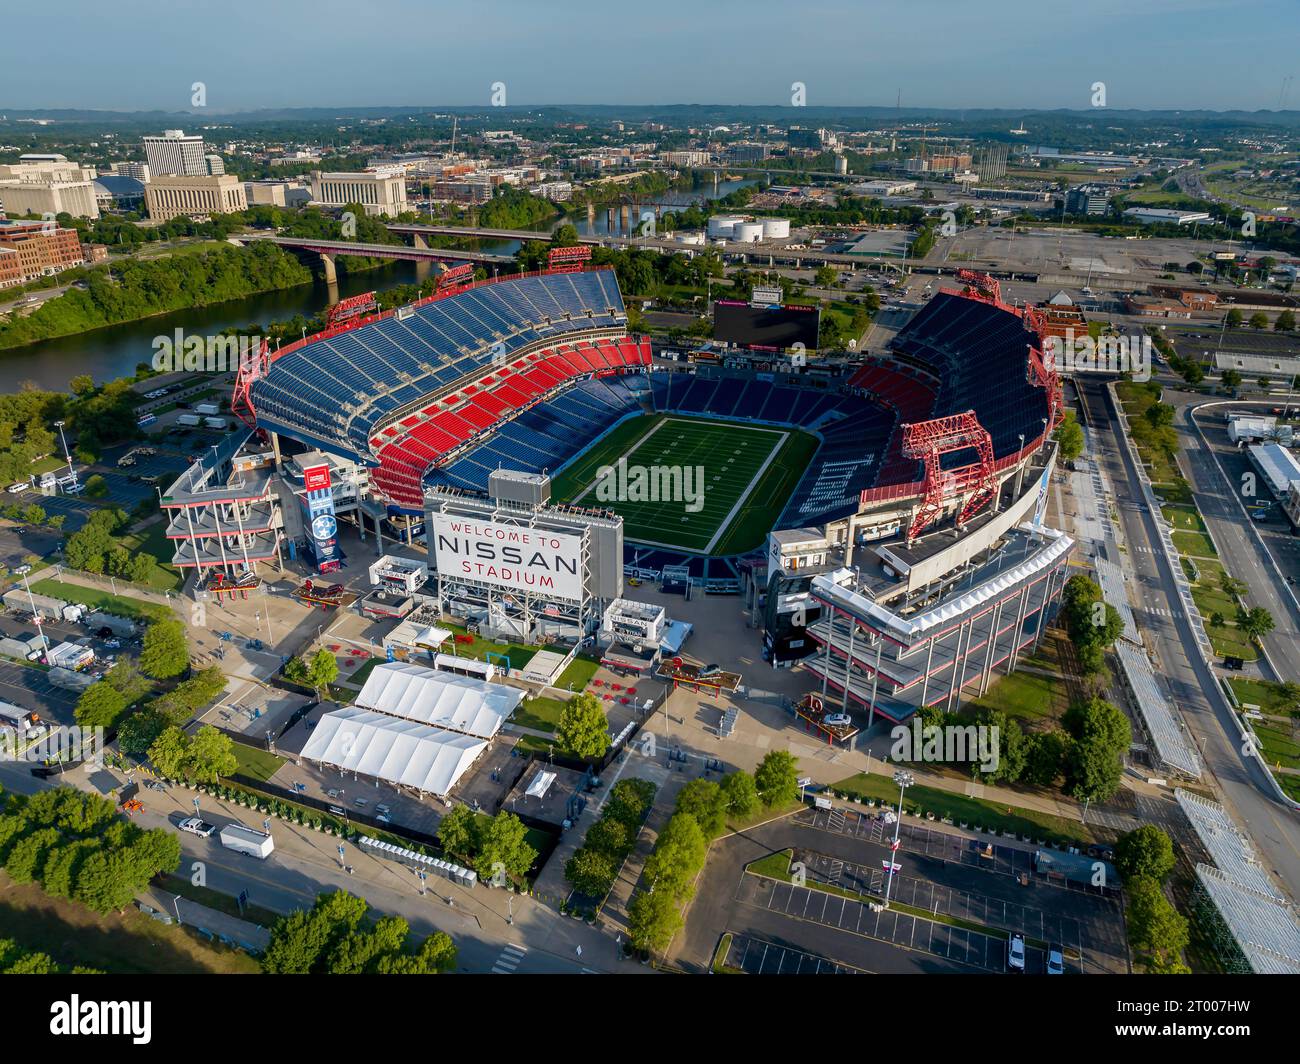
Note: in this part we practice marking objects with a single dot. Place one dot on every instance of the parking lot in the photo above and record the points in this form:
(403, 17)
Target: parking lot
(758, 956)
(30, 689)
(955, 900)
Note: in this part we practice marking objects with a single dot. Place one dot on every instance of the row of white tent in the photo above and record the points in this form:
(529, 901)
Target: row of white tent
(413, 726)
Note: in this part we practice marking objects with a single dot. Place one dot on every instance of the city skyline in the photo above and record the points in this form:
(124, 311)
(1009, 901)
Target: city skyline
(1008, 57)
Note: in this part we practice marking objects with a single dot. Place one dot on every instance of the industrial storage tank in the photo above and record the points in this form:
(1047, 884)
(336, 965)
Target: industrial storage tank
(747, 232)
(723, 224)
(776, 228)
(690, 238)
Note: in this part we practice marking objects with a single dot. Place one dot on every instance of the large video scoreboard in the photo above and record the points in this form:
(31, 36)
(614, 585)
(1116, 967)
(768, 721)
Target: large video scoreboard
(772, 326)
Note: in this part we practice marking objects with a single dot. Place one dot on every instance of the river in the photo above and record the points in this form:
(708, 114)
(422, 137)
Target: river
(114, 351)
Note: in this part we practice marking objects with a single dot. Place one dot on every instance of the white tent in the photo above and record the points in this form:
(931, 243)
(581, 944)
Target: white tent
(439, 699)
(398, 751)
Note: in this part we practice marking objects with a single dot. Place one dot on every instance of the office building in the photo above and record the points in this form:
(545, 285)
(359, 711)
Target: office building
(194, 197)
(47, 184)
(29, 250)
(175, 153)
(381, 191)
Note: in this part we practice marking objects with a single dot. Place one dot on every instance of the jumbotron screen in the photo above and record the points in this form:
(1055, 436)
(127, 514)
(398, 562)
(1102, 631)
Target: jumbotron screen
(735, 322)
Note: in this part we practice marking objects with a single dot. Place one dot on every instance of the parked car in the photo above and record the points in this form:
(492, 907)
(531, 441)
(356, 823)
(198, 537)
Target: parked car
(1016, 953)
(712, 669)
(1055, 960)
(198, 827)
(837, 720)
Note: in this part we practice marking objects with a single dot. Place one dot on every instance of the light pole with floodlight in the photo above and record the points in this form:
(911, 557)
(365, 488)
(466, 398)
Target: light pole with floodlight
(904, 779)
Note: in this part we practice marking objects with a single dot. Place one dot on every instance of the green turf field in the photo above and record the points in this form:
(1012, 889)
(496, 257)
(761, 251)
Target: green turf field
(746, 474)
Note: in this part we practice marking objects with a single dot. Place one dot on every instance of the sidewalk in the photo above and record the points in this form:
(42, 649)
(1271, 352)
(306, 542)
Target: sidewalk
(210, 922)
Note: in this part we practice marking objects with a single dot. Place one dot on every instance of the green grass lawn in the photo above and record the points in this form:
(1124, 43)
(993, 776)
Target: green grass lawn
(154, 543)
(256, 763)
(1026, 697)
(480, 648)
(738, 506)
(1210, 598)
(543, 714)
(1263, 693)
(1196, 544)
(1174, 491)
(1279, 744)
(358, 677)
(1184, 518)
(974, 811)
(102, 600)
(578, 673)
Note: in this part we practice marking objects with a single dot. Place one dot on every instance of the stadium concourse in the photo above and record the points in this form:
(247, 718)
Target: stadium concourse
(537, 373)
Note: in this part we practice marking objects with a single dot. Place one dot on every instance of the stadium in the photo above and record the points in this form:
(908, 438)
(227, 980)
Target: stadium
(904, 470)
(538, 373)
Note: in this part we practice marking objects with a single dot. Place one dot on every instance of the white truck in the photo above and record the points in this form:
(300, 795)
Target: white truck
(220, 424)
(207, 408)
(190, 421)
(245, 840)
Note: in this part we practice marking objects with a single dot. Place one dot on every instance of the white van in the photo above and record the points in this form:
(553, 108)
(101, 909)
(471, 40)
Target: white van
(17, 489)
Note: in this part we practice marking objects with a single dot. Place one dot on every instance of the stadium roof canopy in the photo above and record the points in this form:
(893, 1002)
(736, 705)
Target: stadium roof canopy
(1226, 843)
(356, 740)
(439, 699)
(1172, 744)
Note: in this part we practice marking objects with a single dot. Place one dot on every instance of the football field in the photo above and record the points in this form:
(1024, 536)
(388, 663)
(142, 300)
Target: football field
(709, 487)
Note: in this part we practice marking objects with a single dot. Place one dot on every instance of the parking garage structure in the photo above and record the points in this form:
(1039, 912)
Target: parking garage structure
(223, 512)
(890, 656)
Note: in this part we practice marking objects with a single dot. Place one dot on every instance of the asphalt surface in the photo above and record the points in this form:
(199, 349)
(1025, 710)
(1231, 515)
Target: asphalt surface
(1243, 783)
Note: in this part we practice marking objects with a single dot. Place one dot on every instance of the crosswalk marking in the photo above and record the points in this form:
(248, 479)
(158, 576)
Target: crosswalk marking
(509, 959)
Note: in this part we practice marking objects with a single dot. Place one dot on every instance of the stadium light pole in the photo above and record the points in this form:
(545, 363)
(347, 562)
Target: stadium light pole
(904, 779)
(66, 453)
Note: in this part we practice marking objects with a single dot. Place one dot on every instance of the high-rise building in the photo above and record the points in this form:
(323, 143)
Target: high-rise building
(175, 153)
(216, 165)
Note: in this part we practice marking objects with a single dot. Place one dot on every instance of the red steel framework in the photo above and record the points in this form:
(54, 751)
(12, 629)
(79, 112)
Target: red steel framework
(353, 307)
(928, 441)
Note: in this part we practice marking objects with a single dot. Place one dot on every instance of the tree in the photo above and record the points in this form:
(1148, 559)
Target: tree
(1256, 622)
(1285, 322)
(1259, 320)
(1230, 378)
(776, 778)
(316, 672)
(302, 942)
(591, 872)
(652, 920)
(211, 755)
(1069, 437)
(824, 277)
(139, 731)
(1145, 852)
(169, 753)
(739, 794)
(458, 832)
(96, 486)
(1102, 735)
(504, 849)
(703, 800)
(82, 385)
(1045, 757)
(1233, 318)
(165, 652)
(678, 855)
(1157, 932)
(583, 729)
(99, 705)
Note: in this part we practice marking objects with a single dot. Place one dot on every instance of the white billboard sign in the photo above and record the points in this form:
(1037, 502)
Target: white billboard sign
(508, 556)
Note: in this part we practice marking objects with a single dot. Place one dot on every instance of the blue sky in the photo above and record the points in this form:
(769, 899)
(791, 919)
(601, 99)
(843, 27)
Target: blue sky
(138, 55)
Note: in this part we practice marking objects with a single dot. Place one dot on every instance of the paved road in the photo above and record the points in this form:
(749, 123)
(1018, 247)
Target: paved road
(1209, 457)
(1244, 787)
(306, 863)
